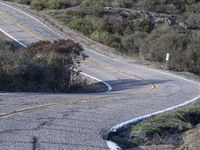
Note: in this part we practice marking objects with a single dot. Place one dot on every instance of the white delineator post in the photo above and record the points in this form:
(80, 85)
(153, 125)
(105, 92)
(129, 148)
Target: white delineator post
(167, 59)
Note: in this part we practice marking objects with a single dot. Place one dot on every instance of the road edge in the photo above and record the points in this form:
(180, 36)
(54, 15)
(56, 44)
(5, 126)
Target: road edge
(110, 144)
(109, 87)
(114, 146)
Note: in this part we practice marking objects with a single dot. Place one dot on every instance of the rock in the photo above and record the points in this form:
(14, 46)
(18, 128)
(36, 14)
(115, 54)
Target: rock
(191, 139)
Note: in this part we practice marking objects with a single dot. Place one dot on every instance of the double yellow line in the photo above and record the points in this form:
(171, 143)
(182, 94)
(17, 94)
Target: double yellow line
(71, 102)
(152, 87)
(26, 29)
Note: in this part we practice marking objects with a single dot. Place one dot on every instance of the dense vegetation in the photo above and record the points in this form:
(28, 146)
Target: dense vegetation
(162, 26)
(41, 67)
(163, 129)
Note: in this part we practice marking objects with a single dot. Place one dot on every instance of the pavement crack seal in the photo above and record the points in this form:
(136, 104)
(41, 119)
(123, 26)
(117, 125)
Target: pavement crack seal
(42, 124)
(35, 143)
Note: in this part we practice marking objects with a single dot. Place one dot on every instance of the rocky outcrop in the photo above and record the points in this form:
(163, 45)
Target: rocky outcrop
(156, 18)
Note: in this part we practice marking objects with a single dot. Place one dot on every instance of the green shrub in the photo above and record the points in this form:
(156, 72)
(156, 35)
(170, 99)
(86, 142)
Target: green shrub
(182, 46)
(100, 36)
(175, 6)
(197, 8)
(147, 5)
(114, 41)
(126, 3)
(94, 7)
(193, 54)
(26, 2)
(81, 25)
(132, 43)
(194, 21)
(56, 4)
(39, 4)
(60, 4)
(51, 4)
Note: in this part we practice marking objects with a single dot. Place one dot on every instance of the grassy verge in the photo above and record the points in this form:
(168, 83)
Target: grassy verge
(165, 129)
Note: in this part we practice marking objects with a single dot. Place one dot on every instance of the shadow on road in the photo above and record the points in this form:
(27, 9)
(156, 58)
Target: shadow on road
(119, 85)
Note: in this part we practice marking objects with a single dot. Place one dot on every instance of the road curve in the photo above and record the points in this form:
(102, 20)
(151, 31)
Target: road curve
(31, 121)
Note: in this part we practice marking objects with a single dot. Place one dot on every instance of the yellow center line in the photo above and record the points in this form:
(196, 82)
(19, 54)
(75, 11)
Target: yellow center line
(65, 102)
(153, 86)
(68, 102)
(15, 22)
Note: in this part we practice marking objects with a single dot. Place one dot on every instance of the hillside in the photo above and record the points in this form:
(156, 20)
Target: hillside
(141, 28)
(146, 29)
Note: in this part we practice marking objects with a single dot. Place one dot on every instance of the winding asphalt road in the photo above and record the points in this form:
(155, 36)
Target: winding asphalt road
(31, 121)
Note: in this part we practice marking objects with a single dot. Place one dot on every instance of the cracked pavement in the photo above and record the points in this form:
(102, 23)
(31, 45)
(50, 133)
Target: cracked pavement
(39, 121)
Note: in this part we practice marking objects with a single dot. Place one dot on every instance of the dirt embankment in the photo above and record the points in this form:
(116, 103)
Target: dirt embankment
(191, 139)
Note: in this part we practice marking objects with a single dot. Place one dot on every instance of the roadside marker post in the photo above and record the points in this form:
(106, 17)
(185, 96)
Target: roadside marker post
(167, 59)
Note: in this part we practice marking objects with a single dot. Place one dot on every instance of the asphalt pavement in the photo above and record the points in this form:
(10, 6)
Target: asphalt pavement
(42, 121)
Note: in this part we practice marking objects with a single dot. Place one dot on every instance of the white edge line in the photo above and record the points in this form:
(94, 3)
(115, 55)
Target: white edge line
(105, 83)
(155, 70)
(168, 73)
(140, 66)
(50, 28)
(113, 146)
(108, 86)
(32, 18)
(12, 37)
(110, 144)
